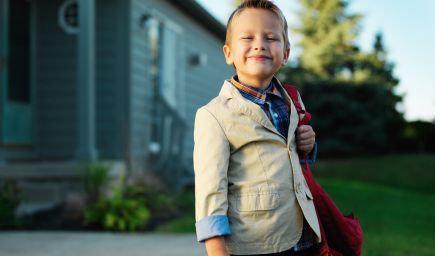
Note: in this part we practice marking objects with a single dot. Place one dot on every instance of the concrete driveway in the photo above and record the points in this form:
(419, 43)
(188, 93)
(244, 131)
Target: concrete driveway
(97, 244)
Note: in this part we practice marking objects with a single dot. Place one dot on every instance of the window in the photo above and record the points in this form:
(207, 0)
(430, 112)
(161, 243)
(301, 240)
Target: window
(154, 39)
(68, 16)
(167, 76)
(172, 87)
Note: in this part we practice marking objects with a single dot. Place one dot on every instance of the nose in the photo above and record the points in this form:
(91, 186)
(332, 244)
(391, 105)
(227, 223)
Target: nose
(259, 44)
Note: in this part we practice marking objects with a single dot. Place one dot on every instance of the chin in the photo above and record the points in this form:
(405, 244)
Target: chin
(262, 75)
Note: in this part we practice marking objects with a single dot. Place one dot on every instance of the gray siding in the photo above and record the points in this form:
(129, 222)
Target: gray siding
(123, 83)
(201, 83)
(110, 76)
(2, 73)
(57, 77)
(56, 85)
(140, 96)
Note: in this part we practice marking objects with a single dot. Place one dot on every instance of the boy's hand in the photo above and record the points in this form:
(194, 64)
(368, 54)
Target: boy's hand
(305, 138)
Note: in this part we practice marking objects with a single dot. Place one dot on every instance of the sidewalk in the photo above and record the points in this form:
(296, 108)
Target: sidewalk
(97, 244)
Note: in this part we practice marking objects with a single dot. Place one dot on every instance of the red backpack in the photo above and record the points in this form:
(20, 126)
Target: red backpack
(341, 235)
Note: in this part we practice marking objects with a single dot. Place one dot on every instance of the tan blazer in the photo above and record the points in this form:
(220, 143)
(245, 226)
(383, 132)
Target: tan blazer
(245, 169)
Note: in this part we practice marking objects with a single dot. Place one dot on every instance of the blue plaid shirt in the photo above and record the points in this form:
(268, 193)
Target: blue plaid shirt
(278, 112)
(270, 101)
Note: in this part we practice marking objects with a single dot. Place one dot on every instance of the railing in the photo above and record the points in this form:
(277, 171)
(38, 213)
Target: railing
(168, 135)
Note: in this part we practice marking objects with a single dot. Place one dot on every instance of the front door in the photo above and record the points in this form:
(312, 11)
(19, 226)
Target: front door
(16, 103)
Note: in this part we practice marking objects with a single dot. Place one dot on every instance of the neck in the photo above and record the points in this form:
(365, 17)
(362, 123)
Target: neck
(254, 82)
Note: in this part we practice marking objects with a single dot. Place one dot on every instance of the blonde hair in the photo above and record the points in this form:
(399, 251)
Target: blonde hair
(259, 4)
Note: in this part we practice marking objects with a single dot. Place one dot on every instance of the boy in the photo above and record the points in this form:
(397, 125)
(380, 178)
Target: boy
(251, 196)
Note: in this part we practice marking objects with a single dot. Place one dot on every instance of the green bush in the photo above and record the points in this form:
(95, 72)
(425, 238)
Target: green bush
(124, 210)
(353, 119)
(10, 198)
(95, 178)
(118, 213)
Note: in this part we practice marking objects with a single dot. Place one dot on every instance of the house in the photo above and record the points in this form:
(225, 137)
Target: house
(117, 81)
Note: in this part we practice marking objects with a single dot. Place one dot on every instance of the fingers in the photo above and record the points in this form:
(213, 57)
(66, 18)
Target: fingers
(305, 132)
(306, 149)
(305, 138)
(305, 142)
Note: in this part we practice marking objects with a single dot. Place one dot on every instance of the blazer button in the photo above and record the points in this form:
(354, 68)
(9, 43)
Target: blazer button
(298, 187)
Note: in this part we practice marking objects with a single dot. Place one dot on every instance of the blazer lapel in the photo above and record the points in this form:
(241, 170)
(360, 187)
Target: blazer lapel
(294, 118)
(246, 107)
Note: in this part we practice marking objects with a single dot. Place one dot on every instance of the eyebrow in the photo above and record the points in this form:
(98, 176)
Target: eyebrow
(248, 31)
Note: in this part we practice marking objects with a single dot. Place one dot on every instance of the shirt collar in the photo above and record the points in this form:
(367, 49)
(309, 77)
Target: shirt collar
(259, 95)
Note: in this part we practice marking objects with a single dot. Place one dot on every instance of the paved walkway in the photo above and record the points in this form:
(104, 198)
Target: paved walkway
(97, 244)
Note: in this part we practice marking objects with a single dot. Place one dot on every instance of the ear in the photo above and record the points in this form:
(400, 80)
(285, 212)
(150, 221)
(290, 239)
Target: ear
(286, 56)
(228, 55)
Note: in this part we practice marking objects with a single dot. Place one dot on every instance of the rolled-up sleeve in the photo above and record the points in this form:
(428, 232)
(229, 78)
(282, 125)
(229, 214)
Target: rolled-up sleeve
(312, 156)
(210, 159)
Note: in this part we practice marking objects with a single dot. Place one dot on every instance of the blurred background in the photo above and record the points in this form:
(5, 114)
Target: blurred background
(98, 99)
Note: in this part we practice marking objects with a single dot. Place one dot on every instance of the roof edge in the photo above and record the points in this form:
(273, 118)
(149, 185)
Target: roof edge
(202, 16)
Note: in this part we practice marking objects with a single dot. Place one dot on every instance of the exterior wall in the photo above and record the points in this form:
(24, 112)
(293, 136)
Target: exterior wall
(111, 80)
(2, 69)
(124, 96)
(56, 126)
(203, 82)
(139, 94)
(198, 83)
(56, 78)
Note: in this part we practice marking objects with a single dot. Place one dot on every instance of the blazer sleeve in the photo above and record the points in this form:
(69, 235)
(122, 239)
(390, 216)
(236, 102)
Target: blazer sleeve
(210, 156)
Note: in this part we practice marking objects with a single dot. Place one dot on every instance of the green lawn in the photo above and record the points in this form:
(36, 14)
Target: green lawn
(393, 196)
(413, 172)
(395, 221)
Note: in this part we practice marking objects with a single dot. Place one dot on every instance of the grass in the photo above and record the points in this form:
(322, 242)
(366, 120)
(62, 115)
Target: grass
(185, 202)
(412, 171)
(393, 197)
(394, 221)
(184, 224)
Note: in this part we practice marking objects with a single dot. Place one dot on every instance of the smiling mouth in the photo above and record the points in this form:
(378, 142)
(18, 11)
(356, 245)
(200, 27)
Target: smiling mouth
(260, 57)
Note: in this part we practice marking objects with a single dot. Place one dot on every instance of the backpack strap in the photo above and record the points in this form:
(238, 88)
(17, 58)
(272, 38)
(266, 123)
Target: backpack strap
(294, 95)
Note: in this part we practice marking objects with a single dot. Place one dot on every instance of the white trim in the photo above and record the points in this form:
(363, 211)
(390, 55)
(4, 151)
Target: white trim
(165, 20)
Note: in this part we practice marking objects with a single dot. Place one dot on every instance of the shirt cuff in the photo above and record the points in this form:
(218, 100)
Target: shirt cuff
(211, 226)
(312, 157)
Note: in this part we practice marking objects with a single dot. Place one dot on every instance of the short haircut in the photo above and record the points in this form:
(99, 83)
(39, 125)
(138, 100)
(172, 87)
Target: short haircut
(260, 4)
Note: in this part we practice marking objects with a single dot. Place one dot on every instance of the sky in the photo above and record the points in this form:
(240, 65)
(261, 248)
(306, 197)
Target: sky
(408, 32)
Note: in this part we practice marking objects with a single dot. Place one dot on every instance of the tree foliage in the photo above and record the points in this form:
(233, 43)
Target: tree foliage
(349, 92)
(328, 35)
(352, 120)
(237, 2)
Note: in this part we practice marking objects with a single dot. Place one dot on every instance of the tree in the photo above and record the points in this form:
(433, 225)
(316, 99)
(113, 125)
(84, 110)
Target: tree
(237, 2)
(328, 37)
(349, 92)
(374, 67)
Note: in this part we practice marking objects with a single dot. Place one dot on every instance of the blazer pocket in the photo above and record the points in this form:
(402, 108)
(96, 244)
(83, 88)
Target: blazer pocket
(261, 201)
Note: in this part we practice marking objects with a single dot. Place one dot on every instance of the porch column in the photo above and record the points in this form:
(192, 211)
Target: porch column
(86, 144)
(3, 62)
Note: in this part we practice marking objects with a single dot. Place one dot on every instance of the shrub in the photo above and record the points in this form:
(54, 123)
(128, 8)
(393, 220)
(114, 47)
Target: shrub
(94, 180)
(10, 198)
(118, 213)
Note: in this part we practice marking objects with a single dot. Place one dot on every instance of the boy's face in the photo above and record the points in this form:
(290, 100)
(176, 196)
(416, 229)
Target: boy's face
(256, 46)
